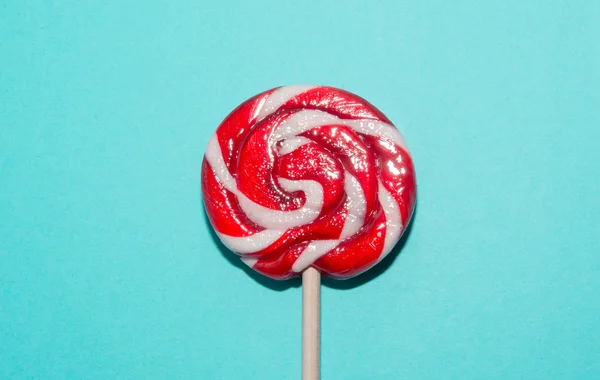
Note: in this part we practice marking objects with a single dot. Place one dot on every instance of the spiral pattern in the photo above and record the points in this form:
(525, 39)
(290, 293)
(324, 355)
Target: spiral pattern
(303, 176)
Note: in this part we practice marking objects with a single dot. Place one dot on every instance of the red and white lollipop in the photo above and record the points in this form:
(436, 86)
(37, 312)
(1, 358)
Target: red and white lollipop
(312, 177)
(303, 176)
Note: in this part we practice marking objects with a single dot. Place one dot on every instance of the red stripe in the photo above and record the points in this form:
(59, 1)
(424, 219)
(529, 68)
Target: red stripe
(236, 126)
(327, 227)
(254, 170)
(353, 153)
(397, 174)
(314, 162)
(340, 103)
(223, 208)
(355, 255)
(280, 267)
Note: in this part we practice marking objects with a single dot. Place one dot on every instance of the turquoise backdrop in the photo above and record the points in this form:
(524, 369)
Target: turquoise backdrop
(108, 269)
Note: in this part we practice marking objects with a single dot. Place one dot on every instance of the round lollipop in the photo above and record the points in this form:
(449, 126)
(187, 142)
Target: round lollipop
(308, 180)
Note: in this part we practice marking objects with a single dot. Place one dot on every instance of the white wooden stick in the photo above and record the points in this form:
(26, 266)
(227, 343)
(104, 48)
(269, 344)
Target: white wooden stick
(311, 320)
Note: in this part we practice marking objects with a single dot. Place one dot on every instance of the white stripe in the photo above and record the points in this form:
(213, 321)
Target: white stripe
(393, 221)
(279, 97)
(292, 144)
(357, 207)
(253, 243)
(305, 120)
(313, 251)
(214, 156)
(250, 261)
(276, 219)
(378, 129)
(354, 221)
(263, 216)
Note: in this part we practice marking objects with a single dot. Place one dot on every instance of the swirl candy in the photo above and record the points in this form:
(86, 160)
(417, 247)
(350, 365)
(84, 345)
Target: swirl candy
(304, 176)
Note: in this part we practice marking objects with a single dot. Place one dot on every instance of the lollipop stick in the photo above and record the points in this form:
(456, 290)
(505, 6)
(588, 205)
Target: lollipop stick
(311, 331)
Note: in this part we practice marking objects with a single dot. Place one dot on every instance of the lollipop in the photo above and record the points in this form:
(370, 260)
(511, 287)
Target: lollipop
(308, 180)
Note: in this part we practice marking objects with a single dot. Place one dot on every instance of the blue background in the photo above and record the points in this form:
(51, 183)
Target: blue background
(108, 269)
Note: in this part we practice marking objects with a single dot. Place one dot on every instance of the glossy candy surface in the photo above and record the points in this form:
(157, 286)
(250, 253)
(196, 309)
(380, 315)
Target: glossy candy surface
(307, 175)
